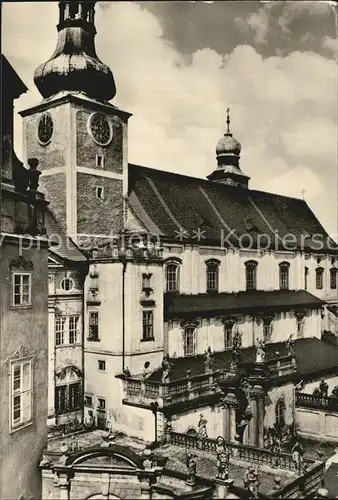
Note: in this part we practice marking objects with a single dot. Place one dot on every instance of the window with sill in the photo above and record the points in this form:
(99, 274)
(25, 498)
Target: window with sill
(73, 329)
(148, 325)
(267, 330)
(300, 326)
(67, 397)
(172, 275)
(102, 365)
(88, 400)
(251, 275)
(284, 269)
(21, 393)
(212, 273)
(228, 334)
(319, 278)
(333, 278)
(60, 329)
(189, 339)
(93, 326)
(22, 289)
(102, 403)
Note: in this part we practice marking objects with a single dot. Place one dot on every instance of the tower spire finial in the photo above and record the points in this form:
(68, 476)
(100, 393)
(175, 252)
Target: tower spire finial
(228, 120)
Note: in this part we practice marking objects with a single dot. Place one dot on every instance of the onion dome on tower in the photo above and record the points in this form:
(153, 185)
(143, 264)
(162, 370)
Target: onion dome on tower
(74, 66)
(228, 151)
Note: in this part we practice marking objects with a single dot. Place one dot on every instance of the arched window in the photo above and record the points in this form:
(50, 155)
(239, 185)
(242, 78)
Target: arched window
(319, 278)
(333, 278)
(251, 275)
(172, 275)
(306, 274)
(280, 412)
(284, 268)
(212, 275)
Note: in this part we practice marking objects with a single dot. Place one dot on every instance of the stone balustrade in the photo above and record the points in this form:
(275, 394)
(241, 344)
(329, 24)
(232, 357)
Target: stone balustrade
(250, 454)
(281, 366)
(139, 390)
(316, 402)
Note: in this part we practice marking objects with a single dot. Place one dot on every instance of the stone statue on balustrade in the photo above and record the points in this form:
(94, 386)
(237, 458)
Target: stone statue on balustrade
(236, 353)
(202, 427)
(166, 367)
(260, 351)
(33, 174)
(251, 481)
(223, 459)
(290, 345)
(297, 453)
(146, 370)
(208, 360)
(334, 393)
(324, 388)
(191, 464)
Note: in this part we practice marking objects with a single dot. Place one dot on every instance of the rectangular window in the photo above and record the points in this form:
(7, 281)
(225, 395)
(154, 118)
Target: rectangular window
(189, 342)
(74, 396)
(88, 400)
(67, 397)
(59, 329)
(93, 326)
(146, 284)
(22, 289)
(333, 278)
(21, 394)
(212, 278)
(102, 403)
(148, 325)
(100, 161)
(319, 278)
(60, 398)
(300, 328)
(73, 331)
(102, 365)
(267, 331)
(100, 192)
(228, 336)
(172, 277)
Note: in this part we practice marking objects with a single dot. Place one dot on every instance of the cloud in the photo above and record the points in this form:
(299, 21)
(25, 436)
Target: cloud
(331, 44)
(283, 109)
(257, 23)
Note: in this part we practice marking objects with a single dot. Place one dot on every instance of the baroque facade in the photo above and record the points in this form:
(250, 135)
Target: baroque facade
(202, 296)
(24, 321)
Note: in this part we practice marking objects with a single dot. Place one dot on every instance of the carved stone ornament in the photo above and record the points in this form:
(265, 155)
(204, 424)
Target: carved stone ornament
(21, 263)
(191, 324)
(20, 353)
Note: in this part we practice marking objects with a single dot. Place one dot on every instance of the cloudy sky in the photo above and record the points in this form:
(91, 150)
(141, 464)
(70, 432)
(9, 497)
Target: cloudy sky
(179, 65)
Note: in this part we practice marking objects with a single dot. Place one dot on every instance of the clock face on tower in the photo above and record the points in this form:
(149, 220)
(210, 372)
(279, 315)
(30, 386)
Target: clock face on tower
(100, 129)
(45, 129)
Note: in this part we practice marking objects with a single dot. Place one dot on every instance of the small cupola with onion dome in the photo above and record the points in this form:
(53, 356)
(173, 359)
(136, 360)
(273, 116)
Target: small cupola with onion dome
(75, 66)
(228, 151)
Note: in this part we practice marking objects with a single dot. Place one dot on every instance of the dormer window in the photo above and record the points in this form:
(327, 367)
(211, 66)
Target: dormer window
(212, 273)
(251, 275)
(284, 268)
(319, 278)
(172, 275)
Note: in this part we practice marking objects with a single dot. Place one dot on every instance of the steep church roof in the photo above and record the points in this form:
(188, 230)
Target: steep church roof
(186, 209)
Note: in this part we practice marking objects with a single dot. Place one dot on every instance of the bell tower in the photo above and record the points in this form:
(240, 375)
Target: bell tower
(78, 136)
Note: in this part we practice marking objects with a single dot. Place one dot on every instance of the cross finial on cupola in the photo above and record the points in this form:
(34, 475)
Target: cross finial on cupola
(228, 121)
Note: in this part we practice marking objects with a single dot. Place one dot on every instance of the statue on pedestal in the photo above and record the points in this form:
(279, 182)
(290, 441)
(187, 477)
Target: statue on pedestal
(223, 459)
(290, 345)
(190, 461)
(324, 388)
(166, 367)
(251, 481)
(260, 351)
(208, 360)
(202, 428)
(297, 453)
(236, 346)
